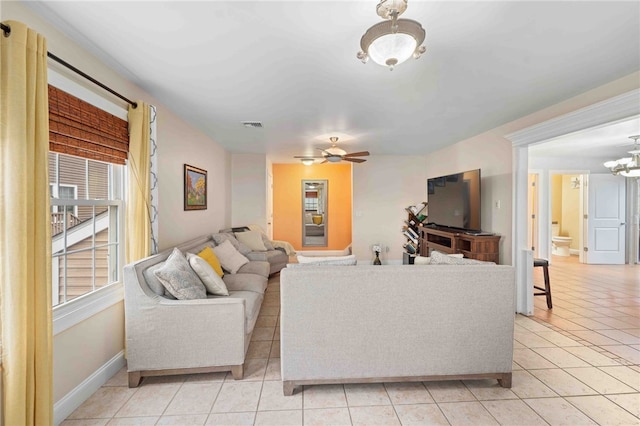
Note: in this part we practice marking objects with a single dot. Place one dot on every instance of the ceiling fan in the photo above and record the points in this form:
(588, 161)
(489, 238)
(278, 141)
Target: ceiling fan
(335, 154)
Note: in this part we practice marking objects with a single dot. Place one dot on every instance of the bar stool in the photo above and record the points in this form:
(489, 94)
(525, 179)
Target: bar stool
(546, 291)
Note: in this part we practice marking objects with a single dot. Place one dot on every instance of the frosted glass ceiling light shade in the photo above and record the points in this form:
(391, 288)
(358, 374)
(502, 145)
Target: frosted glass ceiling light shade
(308, 161)
(393, 41)
(627, 166)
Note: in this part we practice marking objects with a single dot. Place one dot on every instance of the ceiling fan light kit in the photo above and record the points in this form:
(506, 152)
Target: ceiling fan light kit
(627, 166)
(334, 155)
(393, 41)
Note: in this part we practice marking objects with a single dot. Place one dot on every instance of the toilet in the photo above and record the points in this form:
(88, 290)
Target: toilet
(559, 245)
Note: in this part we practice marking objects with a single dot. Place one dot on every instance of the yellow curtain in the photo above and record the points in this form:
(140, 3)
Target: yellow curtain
(138, 218)
(25, 234)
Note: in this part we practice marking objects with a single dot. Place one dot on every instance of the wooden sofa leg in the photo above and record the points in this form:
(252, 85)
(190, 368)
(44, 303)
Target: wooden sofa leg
(134, 379)
(505, 381)
(288, 388)
(237, 371)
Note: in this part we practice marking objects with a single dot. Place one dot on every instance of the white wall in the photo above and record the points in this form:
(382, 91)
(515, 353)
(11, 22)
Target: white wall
(382, 188)
(249, 190)
(178, 144)
(492, 155)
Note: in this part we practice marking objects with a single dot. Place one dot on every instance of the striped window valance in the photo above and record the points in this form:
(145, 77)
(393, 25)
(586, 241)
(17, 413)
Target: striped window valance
(78, 128)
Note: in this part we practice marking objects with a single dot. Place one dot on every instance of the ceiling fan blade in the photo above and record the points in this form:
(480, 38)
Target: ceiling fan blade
(308, 156)
(357, 154)
(354, 160)
(325, 161)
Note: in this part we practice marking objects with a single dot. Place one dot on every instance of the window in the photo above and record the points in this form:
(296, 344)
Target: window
(311, 201)
(66, 192)
(87, 249)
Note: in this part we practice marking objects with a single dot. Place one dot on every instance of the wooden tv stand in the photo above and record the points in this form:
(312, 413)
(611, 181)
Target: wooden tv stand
(479, 247)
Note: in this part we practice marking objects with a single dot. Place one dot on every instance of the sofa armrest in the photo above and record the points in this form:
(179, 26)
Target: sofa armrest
(172, 334)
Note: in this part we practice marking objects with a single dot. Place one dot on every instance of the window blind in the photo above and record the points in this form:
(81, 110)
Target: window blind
(78, 128)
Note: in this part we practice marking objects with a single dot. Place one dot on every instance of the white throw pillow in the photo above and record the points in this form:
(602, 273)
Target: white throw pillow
(230, 258)
(425, 260)
(209, 277)
(179, 279)
(252, 239)
(438, 258)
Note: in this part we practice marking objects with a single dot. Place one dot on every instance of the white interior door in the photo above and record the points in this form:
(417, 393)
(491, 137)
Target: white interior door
(532, 236)
(606, 219)
(270, 204)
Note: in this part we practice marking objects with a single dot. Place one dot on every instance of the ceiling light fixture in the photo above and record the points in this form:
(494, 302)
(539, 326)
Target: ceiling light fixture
(393, 41)
(308, 161)
(627, 166)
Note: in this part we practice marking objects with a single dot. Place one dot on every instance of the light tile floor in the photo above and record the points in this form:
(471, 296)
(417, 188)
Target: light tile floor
(574, 365)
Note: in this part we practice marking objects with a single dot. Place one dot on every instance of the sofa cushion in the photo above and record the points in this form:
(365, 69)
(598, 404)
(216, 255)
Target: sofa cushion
(179, 279)
(229, 257)
(252, 239)
(246, 282)
(224, 236)
(255, 267)
(211, 258)
(253, 301)
(209, 277)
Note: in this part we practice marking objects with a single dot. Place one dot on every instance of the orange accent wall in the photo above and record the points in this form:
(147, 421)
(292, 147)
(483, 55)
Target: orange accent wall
(287, 203)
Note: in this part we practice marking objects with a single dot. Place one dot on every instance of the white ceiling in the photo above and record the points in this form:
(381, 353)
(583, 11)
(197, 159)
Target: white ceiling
(292, 65)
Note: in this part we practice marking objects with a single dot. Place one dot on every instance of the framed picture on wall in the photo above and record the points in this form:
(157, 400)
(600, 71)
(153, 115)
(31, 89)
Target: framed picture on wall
(195, 188)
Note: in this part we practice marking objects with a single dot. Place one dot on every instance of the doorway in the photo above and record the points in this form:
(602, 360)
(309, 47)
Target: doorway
(623, 107)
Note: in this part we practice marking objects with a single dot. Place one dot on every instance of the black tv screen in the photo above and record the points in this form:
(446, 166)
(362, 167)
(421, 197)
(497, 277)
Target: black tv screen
(454, 200)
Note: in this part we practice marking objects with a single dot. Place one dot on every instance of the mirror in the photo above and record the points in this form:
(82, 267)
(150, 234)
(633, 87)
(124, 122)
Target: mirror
(314, 212)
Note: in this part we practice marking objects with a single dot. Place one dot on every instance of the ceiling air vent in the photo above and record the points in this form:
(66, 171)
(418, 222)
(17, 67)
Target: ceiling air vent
(252, 124)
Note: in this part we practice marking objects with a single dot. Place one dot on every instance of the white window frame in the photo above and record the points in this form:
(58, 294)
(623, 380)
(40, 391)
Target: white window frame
(55, 187)
(70, 313)
(79, 309)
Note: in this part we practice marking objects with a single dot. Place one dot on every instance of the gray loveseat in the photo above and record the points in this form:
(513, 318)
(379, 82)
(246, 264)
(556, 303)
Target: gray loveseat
(165, 336)
(358, 324)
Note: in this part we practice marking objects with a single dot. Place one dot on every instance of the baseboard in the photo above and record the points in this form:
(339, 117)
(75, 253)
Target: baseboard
(68, 403)
(574, 252)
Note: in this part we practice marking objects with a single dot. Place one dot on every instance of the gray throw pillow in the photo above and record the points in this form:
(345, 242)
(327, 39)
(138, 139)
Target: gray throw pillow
(267, 243)
(179, 279)
(224, 236)
(230, 258)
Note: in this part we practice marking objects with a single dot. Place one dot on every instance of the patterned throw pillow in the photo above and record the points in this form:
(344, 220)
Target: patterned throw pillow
(179, 279)
(209, 277)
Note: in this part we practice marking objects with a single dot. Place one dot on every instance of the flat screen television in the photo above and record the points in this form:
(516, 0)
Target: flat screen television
(454, 201)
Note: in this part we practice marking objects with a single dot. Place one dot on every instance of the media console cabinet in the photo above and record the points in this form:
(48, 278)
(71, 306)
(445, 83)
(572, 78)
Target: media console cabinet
(479, 247)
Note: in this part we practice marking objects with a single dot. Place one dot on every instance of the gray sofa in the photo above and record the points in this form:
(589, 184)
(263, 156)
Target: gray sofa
(165, 336)
(358, 324)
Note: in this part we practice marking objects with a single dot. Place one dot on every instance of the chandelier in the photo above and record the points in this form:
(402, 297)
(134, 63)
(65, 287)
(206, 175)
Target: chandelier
(393, 41)
(627, 166)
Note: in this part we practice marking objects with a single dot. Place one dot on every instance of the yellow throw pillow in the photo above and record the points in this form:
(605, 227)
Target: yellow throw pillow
(211, 258)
